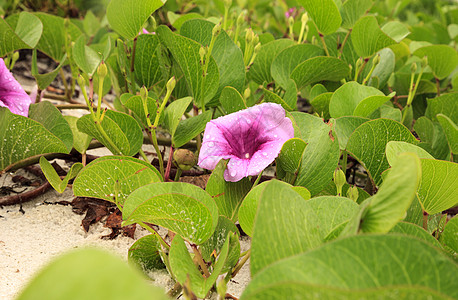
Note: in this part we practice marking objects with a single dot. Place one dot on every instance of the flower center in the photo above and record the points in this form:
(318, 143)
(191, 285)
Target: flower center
(247, 155)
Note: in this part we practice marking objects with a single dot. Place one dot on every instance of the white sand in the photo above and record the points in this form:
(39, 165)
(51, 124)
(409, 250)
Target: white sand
(29, 241)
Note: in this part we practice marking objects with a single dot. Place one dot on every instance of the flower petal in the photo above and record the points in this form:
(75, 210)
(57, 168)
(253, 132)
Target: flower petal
(12, 95)
(214, 147)
(236, 169)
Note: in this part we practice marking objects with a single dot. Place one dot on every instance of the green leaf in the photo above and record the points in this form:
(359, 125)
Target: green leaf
(189, 128)
(352, 10)
(445, 104)
(290, 156)
(44, 80)
(368, 38)
(113, 178)
(90, 23)
(288, 59)
(415, 231)
(432, 138)
(85, 57)
(360, 267)
(325, 14)
(53, 38)
(383, 70)
(93, 272)
(260, 69)
(231, 100)
(345, 127)
(318, 69)
(186, 53)
(54, 179)
(368, 142)
(322, 154)
(149, 61)
(450, 130)
(285, 223)
(51, 118)
(393, 149)
(396, 30)
(441, 58)
(227, 55)
(127, 17)
(29, 29)
(124, 132)
(227, 195)
(354, 99)
(321, 105)
(178, 20)
(184, 268)
(448, 237)
(144, 253)
(272, 97)
(11, 41)
(174, 112)
(439, 185)
(180, 207)
(135, 104)
(22, 137)
(81, 140)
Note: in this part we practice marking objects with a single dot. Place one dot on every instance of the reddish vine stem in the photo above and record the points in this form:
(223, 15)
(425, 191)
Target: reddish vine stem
(25, 197)
(169, 165)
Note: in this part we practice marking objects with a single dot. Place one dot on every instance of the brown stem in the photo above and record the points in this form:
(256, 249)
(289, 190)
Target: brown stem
(200, 260)
(425, 220)
(25, 197)
(169, 165)
(438, 86)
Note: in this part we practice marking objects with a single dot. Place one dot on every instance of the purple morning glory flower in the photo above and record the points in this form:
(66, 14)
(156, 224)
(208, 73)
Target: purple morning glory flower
(12, 95)
(251, 139)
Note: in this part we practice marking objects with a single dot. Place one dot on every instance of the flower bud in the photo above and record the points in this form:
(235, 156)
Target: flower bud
(216, 30)
(202, 54)
(359, 63)
(171, 84)
(424, 61)
(339, 180)
(102, 70)
(247, 93)
(376, 60)
(144, 93)
(241, 18)
(413, 68)
(291, 21)
(249, 35)
(184, 159)
(227, 3)
(353, 193)
(304, 18)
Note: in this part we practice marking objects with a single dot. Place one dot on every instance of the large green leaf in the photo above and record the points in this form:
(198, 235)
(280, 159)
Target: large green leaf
(128, 16)
(186, 53)
(11, 41)
(368, 38)
(441, 58)
(352, 10)
(367, 144)
(285, 62)
(113, 178)
(324, 13)
(180, 207)
(227, 195)
(149, 65)
(394, 148)
(354, 99)
(97, 274)
(29, 28)
(450, 131)
(416, 231)
(318, 69)
(448, 237)
(445, 104)
(260, 69)
(345, 127)
(395, 30)
(360, 267)
(231, 100)
(227, 55)
(432, 138)
(22, 137)
(321, 155)
(439, 185)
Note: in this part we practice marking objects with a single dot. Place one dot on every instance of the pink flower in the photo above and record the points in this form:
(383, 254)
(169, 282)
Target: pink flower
(12, 95)
(251, 139)
(290, 12)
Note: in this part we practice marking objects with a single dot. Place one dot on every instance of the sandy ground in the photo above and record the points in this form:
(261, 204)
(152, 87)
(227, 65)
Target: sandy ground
(30, 240)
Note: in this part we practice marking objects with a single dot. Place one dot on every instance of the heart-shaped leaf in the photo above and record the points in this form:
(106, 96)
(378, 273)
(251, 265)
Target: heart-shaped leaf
(180, 207)
(113, 178)
(368, 38)
(441, 58)
(227, 195)
(368, 142)
(318, 69)
(363, 266)
(128, 16)
(324, 13)
(54, 179)
(322, 154)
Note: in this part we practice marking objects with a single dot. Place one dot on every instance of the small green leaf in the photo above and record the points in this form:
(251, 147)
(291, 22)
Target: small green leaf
(29, 28)
(450, 131)
(231, 100)
(54, 179)
(144, 253)
(448, 237)
(394, 148)
(135, 104)
(432, 138)
(113, 178)
(288, 59)
(352, 10)
(93, 272)
(85, 57)
(174, 112)
(81, 140)
(318, 69)
(44, 80)
(416, 231)
(128, 16)
(368, 142)
(345, 127)
(320, 105)
(439, 185)
(11, 41)
(445, 104)
(180, 207)
(396, 30)
(290, 156)
(324, 13)
(272, 97)
(368, 38)
(149, 62)
(189, 128)
(227, 195)
(441, 58)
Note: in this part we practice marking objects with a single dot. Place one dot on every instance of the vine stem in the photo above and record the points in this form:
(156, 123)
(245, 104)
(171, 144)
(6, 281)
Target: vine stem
(324, 43)
(200, 260)
(169, 165)
(161, 240)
